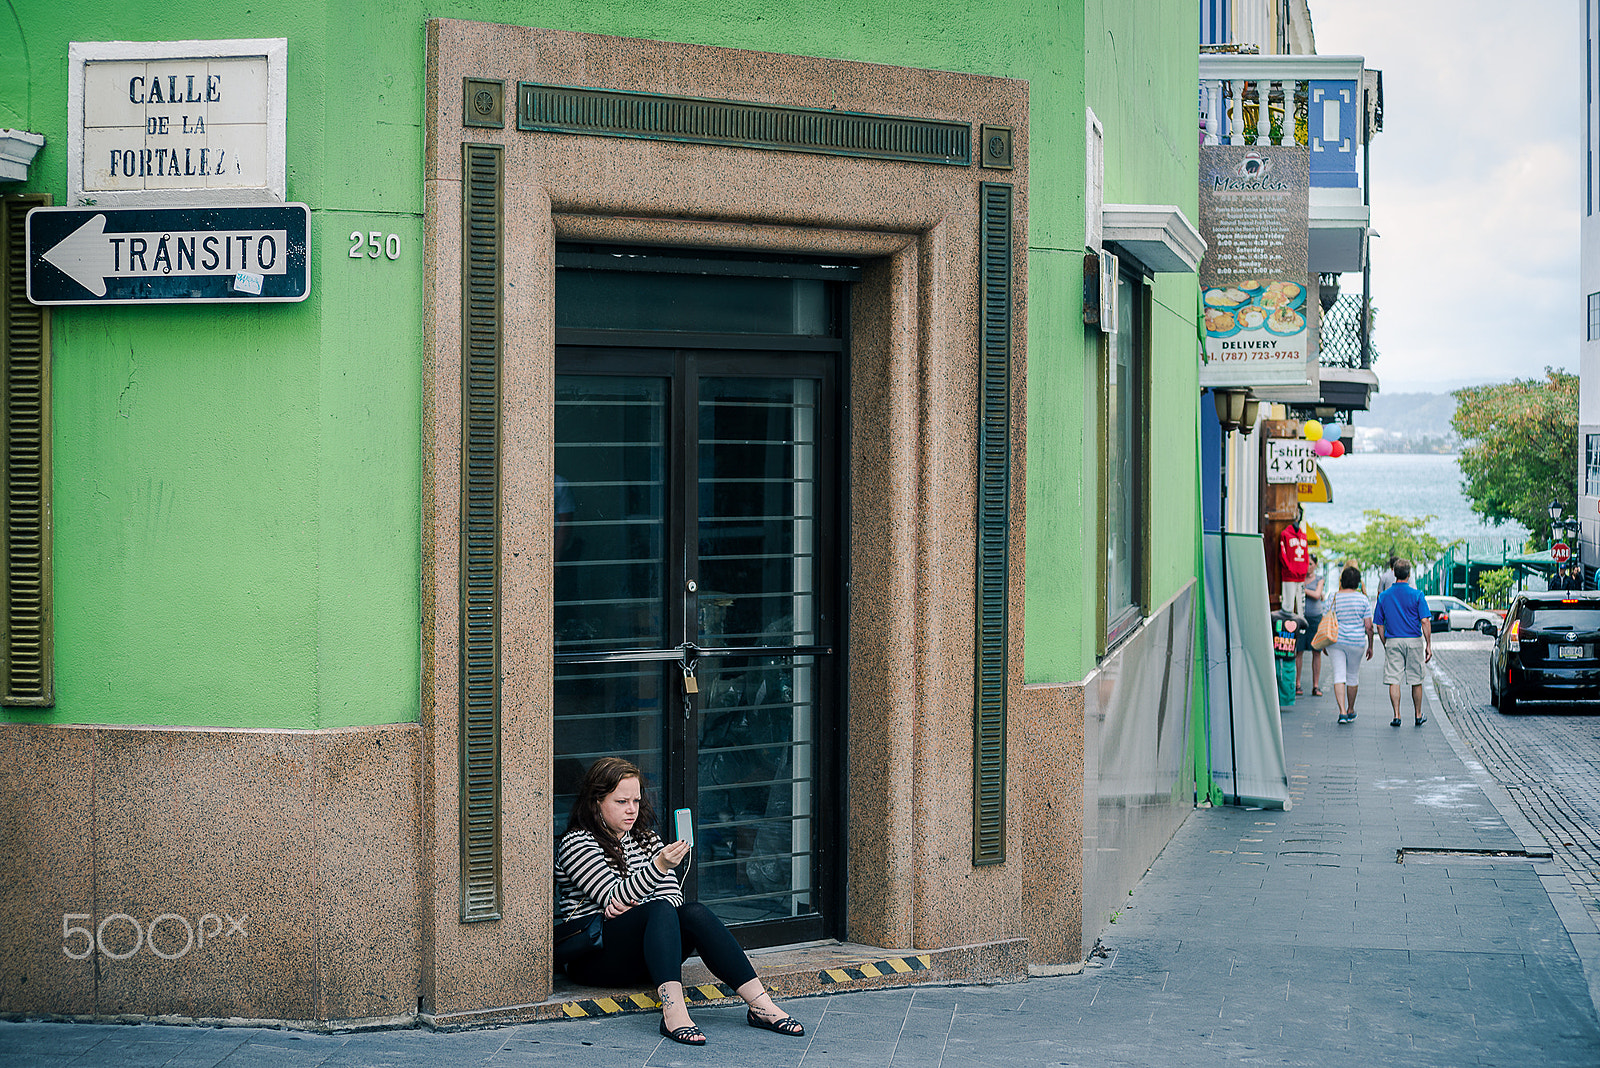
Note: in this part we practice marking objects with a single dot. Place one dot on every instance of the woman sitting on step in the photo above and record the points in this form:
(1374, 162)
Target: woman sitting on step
(611, 863)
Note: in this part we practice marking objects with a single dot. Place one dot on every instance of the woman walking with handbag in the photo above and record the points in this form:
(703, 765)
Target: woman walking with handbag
(1352, 615)
(611, 864)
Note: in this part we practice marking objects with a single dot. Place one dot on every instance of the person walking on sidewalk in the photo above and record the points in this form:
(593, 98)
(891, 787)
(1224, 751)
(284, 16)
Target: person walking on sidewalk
(1386, 579)
(1402, 622)
(1313, 591)
(1354, 613)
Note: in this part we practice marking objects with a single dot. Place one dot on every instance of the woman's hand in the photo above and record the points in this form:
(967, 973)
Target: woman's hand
(616, 907)
(672, 855)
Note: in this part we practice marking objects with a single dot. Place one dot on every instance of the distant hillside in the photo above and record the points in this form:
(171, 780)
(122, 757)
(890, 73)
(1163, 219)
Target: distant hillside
(1410, 414)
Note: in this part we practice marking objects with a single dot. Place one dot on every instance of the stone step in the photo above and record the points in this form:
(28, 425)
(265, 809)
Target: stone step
(788, 971)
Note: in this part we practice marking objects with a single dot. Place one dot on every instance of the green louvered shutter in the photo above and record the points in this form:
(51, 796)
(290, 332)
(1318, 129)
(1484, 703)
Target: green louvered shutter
(27, 640)
(994, 522)
(482, 269)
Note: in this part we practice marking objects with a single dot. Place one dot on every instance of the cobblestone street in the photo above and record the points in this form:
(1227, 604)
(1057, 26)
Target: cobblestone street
(1547, 757)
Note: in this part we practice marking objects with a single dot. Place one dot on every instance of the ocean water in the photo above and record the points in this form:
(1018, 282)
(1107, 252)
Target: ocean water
(1410, 485)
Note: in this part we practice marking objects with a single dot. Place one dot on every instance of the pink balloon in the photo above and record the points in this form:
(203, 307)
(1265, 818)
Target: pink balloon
(1338, 450)
(1322, 447)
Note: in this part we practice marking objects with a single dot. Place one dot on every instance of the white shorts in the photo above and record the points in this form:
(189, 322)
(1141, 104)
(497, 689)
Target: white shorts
(1346, 662)
(1293, 598)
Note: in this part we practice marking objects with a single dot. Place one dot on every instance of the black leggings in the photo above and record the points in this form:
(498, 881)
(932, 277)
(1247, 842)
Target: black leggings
(650, 942)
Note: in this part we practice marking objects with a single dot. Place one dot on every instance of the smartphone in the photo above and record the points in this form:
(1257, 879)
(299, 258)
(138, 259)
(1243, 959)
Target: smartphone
(683, 825)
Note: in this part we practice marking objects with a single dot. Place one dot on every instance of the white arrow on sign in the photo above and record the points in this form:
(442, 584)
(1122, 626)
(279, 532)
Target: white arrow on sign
(90, 256)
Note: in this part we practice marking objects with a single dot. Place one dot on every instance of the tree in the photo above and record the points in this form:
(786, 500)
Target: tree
(1385, 536)
(1521, 448)
(1494, 587)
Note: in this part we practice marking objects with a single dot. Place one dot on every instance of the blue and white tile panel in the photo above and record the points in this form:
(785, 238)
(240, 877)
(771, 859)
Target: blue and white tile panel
(1333, 128)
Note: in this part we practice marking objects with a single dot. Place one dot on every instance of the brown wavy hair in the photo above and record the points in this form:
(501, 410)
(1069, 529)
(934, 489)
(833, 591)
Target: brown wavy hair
(604, 776)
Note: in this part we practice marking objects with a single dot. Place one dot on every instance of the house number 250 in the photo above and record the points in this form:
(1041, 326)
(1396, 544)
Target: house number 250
(373, 244)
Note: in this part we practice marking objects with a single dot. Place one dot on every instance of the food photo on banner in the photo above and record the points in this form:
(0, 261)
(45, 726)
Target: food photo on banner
(1253, 209)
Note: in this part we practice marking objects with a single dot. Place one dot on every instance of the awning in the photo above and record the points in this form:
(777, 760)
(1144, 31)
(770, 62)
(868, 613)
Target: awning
(1159, 236)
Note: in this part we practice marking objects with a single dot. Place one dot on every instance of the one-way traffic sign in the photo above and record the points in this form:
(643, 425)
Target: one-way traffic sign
(169, 255)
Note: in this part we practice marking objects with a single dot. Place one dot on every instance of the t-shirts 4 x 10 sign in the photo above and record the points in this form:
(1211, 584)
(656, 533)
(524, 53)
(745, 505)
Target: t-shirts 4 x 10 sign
(1254, 213)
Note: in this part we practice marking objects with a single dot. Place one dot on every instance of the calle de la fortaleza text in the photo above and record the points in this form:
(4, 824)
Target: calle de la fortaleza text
(165, 162)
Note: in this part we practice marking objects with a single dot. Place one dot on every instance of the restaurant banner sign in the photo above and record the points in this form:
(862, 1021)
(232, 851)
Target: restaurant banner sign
(1254, 214)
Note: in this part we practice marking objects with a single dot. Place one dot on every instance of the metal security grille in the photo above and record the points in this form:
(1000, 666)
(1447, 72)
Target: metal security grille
(27, 643)
(1340, 342)
(994, 521)
(482, 268)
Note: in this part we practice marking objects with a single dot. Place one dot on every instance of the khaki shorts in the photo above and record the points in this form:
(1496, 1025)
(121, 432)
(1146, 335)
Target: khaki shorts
(1403, 661)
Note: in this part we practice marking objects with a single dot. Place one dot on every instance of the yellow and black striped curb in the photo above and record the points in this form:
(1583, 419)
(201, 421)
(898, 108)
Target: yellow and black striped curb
(635, 1002)
(708, 992)
(876, 970)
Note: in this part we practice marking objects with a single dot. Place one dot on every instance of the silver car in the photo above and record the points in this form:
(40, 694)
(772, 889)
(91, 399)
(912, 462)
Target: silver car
(1463, 616)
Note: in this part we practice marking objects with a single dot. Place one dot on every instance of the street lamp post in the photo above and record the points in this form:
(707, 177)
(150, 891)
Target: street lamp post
(1559, 532)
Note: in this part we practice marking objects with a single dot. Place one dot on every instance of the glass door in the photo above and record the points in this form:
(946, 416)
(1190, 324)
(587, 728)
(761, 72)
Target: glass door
(757, 549)
(610, 575)
(696, 537)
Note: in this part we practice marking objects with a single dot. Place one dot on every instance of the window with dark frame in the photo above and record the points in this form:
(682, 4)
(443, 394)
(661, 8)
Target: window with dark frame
(1594, 317)
(1591, 465)
(1125, 475)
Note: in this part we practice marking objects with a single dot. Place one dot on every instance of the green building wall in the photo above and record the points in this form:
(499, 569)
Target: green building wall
(237, 491)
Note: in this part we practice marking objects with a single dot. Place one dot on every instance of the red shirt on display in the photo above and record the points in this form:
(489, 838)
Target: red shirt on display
(1294, 554)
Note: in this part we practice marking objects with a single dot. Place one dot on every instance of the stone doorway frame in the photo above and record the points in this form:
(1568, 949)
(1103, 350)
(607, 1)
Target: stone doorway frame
(914, 383)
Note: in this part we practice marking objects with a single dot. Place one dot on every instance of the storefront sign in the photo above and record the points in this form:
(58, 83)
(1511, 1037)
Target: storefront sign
(190, 122)
(1290, 460)
(1254, 214)
(168, 255)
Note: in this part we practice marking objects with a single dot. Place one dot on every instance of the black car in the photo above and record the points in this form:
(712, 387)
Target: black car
(1548, 650)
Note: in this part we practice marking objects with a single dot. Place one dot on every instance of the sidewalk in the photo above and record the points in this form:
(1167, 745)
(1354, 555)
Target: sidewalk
(1390, 918)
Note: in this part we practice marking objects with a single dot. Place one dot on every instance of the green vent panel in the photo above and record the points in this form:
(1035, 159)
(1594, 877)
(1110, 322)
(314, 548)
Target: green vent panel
(994, 522)
(482, 277)
(562, 109)
(27, 642)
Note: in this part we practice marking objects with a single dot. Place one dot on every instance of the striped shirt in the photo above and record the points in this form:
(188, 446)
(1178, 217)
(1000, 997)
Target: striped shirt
(1352, 609)
(586, 882)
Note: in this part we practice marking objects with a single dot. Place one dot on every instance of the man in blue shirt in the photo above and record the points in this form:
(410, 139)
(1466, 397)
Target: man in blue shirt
(1402, 621)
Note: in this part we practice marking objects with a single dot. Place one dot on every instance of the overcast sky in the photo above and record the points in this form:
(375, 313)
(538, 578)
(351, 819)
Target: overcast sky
(1475, 184)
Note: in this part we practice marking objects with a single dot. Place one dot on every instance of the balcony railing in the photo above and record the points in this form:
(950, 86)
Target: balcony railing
(1312, 101)
(1340, 343)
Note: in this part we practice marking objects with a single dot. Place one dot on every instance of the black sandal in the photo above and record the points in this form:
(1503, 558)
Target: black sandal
(688, 1036)
(786, 1026)
(1421, 720)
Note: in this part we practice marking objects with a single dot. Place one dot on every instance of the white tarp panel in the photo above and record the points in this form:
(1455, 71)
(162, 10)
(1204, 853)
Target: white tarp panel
(1246, 744)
